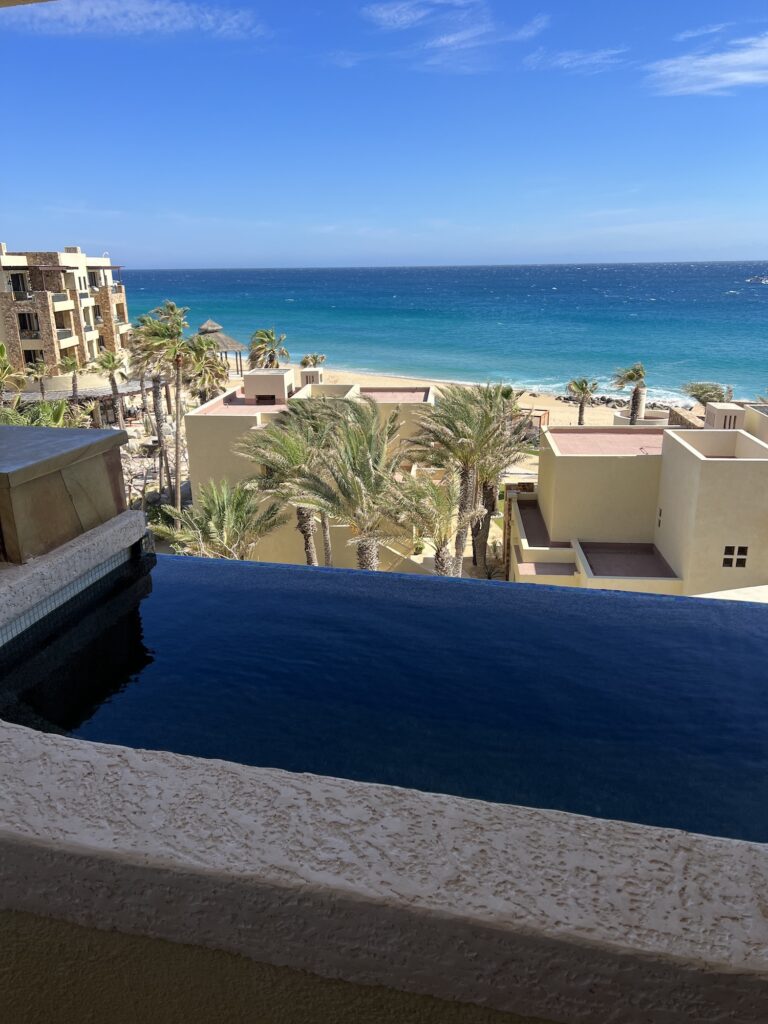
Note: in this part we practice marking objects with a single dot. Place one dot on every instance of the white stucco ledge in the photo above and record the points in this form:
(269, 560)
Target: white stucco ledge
(52, 579)
(540, 913)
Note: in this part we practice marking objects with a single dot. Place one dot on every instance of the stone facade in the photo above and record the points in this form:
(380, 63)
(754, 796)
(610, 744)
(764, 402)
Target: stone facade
(59, 278)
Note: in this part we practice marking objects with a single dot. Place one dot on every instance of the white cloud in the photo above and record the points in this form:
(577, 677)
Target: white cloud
(450, 35)
(589, 62)
(133, 17)
(402, 14)
(531, 29)
(744, 62)
(705, 30)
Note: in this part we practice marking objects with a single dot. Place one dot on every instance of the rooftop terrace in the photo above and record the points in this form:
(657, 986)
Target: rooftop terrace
(643, 561)
(606, 441)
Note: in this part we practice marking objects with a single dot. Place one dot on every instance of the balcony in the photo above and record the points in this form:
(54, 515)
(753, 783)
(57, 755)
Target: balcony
(124, 326)
(28, 335)
(117, 289)
(60, 297)
(64, 334)
(90, 329)
(23, 296)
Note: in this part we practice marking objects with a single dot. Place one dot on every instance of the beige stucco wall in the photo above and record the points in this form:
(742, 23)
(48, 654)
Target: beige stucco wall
(210, 443)
(756, 423)
(55, 971)
(710, 503)
(600, 497)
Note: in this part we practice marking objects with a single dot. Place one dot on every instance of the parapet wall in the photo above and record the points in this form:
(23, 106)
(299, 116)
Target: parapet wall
(531, 912)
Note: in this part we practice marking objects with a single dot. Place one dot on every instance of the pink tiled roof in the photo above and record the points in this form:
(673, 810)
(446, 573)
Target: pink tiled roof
(620, 441)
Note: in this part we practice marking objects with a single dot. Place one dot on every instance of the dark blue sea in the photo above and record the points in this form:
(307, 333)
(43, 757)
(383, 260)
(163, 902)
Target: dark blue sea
(536, 326)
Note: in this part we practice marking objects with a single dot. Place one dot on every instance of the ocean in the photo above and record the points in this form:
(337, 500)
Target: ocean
(532, 326)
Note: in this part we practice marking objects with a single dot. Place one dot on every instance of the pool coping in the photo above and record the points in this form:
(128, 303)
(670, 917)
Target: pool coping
(536, 912)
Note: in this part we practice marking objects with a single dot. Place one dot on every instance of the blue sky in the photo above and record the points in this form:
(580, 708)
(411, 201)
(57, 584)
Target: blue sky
(182, 133)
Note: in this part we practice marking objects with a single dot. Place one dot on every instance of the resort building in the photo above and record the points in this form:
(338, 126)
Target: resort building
(55, 304)
(213, 430)
(645, 509)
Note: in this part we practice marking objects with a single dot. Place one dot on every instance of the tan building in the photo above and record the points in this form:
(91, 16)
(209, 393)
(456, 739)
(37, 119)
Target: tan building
(214, 428)
(54, 304)
(644, 509)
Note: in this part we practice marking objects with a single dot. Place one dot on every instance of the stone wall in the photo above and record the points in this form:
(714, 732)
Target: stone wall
(685, 418)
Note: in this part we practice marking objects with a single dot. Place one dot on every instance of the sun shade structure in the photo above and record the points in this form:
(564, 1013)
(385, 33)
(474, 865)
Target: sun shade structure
(226, 344)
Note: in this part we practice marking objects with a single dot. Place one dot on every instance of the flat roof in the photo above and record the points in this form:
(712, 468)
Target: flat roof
(617, 441)
(641, 561)
(236, 404)
(401, 395)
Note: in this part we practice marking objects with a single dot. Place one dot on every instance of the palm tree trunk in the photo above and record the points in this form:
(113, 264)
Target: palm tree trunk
(116, 401)
(467, 486)
(306, 525)
(143, 389)
(491, 504)
(177, 466)
(582, 407)
(368, 555)
(98, 420)
(327, 547)
(75, 389)
(637, 405)
(157, 402)
(443, 561)
(42, 388)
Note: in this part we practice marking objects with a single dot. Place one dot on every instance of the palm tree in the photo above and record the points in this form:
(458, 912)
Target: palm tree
(429, 506)
(456, 434)
(70, 365)
(583, 389)
(312, 359)
(147, 361)
(703, 392)
(112, 366)
(267, 349)
(286, 452)
(504, 431)
(225, 522)
(41, 414)
(39, 372)
(10, 379)
(162, 336)
(635, 376)
(356, 480)
(205, 372)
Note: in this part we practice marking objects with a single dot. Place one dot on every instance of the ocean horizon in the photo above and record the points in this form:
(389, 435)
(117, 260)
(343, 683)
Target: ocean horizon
(534, 326)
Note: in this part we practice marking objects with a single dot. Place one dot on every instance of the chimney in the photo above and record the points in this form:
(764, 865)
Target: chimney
(3, 248)
(74, 249)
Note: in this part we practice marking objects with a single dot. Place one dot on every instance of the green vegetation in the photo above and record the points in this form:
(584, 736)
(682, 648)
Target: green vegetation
(633, 376)
(10, 379)
(312, 359)
(583, 389)
(703, 391)
(226, 522)
(267, 349)
(477, 434)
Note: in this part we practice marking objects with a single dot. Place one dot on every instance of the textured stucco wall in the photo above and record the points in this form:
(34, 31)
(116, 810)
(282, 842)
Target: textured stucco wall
(545, 914)
(54, 971)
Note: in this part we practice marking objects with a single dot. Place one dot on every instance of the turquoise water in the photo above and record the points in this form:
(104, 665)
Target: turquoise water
(536, 326)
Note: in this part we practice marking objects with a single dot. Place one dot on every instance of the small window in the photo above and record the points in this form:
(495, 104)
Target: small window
(735, 557)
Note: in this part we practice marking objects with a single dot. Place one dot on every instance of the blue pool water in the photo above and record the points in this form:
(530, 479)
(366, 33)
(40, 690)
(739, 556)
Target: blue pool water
(537, 326)
(641, 708)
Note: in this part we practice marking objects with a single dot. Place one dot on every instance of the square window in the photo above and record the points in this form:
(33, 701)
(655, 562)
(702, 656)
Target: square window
(742, 552)
(741, 563)
(730, 551)
(727, 563)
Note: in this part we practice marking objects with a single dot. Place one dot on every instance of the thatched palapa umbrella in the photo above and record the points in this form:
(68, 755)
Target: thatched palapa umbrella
(226, 345)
